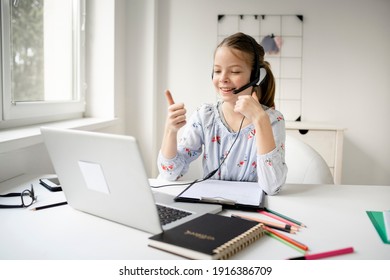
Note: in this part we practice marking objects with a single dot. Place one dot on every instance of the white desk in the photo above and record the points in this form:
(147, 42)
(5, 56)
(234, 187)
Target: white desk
(335, 217)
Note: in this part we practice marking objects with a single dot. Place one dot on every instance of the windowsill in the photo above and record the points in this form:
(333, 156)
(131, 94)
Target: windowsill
(22, 137)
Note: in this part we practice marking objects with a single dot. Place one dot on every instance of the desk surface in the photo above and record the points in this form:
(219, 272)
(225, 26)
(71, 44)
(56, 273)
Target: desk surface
(335, 217)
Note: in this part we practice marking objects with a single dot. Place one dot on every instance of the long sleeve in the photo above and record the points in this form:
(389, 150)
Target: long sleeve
(189, 149)
(271, 167)
(234, 154)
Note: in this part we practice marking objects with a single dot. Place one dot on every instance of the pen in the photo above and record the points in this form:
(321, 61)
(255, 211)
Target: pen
(278, 226)
(288, 239)
(325, 254)
(285, 217)
(49, 206)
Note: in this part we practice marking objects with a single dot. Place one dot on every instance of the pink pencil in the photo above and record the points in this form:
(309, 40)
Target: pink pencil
(278, 218)
(325, 254)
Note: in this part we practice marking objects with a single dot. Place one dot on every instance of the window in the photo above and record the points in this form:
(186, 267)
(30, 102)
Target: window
(42, 47)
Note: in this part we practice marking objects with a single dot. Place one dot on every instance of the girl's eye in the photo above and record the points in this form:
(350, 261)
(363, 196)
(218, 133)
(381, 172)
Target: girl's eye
(236, 71)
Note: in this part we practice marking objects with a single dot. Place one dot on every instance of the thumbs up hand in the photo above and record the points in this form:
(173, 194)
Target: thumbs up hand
(176, 118)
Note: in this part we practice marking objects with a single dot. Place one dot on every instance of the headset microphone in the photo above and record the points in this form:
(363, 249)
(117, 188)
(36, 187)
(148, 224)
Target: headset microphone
(257, 81)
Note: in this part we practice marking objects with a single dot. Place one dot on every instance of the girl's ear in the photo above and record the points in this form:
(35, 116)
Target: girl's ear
(254, 96)
(256, 93)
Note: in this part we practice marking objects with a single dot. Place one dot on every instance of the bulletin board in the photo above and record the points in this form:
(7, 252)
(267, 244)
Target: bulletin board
(282, 39)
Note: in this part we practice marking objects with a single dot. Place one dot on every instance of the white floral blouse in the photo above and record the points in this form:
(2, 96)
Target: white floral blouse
(207, 130)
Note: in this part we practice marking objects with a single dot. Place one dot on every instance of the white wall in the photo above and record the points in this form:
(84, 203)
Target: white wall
(140, 82)
(346, 68)
(100, 64)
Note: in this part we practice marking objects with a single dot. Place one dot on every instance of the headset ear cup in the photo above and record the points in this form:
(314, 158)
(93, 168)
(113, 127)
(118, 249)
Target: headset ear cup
(255, 76)
(262, 74)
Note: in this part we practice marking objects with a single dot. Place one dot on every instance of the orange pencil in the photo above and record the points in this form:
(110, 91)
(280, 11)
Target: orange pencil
(288, 239)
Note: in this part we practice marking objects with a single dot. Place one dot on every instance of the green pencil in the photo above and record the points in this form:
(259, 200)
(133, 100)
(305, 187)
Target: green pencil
(285, 242)
(285, 217)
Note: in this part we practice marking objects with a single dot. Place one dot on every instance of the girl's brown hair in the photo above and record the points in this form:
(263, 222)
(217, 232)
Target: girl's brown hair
(248, 45)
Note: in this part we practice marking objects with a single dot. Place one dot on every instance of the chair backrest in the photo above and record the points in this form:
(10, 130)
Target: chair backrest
(305, 165)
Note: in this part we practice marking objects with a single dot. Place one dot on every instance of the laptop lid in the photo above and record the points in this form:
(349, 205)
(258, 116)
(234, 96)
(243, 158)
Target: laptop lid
(104, 175)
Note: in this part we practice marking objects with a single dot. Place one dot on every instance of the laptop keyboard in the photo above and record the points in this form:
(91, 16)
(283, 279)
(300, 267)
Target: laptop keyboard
(168, 215)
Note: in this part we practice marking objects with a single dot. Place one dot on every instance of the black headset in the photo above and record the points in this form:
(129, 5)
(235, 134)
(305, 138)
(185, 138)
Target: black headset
(257, 75)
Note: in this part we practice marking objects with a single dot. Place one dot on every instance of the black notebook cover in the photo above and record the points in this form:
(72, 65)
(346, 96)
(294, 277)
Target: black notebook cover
(210, 236)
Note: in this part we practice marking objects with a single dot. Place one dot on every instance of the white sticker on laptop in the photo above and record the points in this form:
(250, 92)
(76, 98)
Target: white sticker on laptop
(94, 176)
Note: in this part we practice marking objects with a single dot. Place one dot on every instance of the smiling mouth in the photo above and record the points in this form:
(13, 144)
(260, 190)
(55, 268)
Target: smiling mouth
(227, 89)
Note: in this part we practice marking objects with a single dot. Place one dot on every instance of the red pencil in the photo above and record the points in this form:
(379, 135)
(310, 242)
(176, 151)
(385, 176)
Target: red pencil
(325, 254)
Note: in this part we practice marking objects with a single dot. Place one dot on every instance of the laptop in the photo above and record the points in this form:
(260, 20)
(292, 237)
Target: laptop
(104, 175)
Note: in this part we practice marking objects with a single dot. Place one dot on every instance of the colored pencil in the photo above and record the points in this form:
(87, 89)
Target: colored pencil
(284, 242)
(284, 222)
(278, 218)
(325, 254)
(49, 206)
(281, 229)
(285, 217)
(271, 226)
(288, 239)
(279, 226)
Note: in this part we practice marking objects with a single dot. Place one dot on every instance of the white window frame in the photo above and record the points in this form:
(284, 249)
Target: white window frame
(26, 113)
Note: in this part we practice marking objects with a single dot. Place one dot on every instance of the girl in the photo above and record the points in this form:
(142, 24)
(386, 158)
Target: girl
(242, 135)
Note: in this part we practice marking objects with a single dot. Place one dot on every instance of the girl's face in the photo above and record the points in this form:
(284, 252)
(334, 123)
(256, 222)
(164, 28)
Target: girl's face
(231, 71)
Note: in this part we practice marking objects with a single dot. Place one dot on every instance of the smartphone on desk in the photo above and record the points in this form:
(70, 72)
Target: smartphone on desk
(52, 184)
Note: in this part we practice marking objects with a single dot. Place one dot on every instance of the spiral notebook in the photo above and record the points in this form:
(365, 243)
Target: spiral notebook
(210, 236)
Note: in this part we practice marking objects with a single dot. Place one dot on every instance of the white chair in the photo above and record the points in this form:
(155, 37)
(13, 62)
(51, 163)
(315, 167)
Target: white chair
(305, 165)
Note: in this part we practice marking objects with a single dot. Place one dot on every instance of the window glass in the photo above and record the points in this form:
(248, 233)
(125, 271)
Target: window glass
(41, 50)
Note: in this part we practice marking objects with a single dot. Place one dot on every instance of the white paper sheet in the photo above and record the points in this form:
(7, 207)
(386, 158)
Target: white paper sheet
(246, 193)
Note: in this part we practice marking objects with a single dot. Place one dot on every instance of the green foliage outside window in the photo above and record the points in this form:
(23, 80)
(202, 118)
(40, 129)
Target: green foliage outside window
(27, 49)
